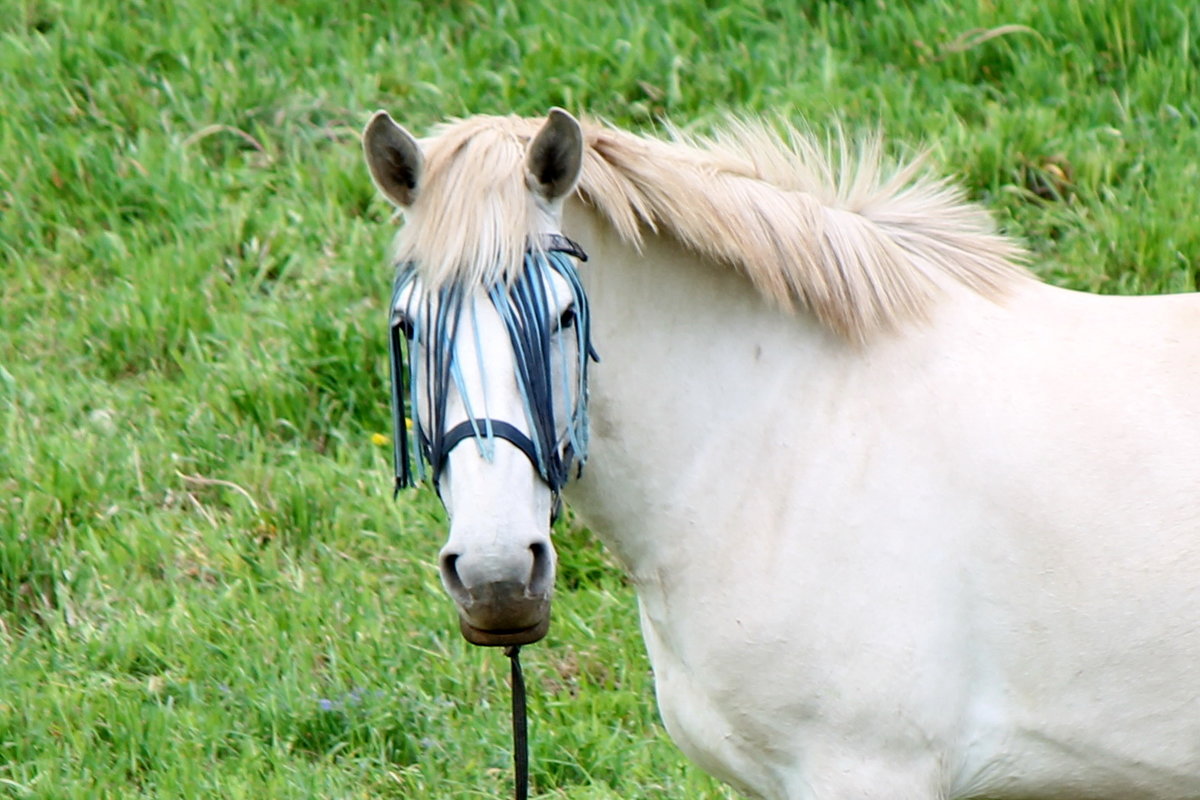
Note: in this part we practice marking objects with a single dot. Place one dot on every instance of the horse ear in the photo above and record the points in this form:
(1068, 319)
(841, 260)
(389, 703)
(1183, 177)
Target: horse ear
(555, 156)
(394, 158)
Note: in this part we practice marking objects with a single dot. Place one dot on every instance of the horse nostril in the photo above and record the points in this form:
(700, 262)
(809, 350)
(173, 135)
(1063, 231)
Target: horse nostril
(449, 564)
(469, 578)
(541, 577)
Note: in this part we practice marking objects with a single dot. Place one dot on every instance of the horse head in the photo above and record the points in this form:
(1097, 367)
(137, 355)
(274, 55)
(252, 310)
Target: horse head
(489, 359)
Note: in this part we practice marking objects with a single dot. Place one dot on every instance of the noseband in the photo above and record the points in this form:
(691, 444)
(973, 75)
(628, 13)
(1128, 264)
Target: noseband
(522, 308)
(486, 426)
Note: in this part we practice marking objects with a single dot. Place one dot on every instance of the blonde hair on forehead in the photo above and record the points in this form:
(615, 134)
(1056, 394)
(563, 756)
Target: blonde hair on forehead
(821, 226)
(473, 214)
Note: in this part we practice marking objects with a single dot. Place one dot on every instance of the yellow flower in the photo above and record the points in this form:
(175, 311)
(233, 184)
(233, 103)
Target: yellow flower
(379, 440)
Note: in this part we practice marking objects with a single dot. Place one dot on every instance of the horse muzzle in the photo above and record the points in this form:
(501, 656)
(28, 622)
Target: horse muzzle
(501, 601)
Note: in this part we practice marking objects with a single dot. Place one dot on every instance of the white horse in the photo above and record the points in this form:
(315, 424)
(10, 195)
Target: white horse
(903, 521)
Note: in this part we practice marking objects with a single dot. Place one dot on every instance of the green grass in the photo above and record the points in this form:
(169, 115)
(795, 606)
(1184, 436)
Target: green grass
(205, 589)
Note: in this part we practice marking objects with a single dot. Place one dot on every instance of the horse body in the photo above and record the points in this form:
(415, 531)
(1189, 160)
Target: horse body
(962, 562)
(955, 557)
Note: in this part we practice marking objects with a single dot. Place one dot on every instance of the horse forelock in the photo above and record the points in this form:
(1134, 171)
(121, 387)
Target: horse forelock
(473, 215)
(825, 226)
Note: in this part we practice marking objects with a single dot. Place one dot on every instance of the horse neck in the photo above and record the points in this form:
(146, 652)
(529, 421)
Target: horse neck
(694, 363)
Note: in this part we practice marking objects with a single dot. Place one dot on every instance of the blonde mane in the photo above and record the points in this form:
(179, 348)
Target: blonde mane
(823, 228)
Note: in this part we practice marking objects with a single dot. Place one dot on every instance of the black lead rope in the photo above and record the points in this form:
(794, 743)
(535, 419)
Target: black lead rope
(520, 734)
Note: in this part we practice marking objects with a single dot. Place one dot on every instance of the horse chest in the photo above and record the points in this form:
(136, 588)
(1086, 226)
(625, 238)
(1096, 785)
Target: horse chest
(703, 721)
(766, 706)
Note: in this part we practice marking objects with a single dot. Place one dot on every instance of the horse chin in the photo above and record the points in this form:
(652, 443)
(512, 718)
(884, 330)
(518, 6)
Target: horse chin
(504, 637)
(504, 613)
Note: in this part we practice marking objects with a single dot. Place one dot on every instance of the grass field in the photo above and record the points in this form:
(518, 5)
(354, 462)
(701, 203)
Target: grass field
(205, 589)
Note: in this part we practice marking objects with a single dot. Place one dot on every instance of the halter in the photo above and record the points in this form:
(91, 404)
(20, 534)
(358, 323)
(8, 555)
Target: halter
(523, 306)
